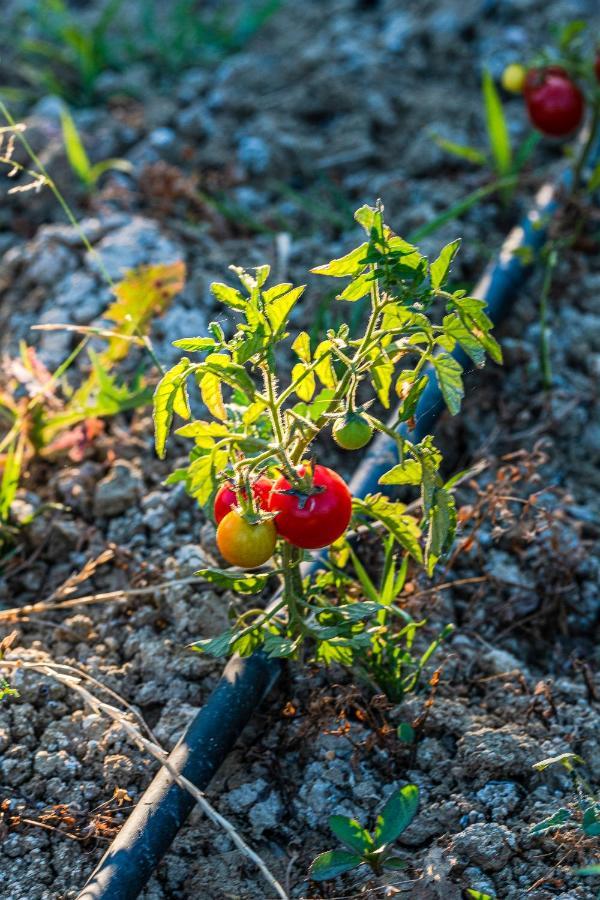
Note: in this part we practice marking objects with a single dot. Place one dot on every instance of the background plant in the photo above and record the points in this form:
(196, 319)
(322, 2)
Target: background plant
(264, 428)
(364, 847)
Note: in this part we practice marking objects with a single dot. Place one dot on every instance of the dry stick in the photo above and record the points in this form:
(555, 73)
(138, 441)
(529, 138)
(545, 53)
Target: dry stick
(52, 670)
(116, 596)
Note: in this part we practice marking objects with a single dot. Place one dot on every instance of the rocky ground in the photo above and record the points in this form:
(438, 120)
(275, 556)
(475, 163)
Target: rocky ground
(263, 157)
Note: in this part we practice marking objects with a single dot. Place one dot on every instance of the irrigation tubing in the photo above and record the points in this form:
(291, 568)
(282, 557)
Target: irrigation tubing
(151, 828)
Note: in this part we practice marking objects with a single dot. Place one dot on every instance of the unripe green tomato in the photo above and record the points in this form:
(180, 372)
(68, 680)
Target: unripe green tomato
(352, 432)
(513, 78)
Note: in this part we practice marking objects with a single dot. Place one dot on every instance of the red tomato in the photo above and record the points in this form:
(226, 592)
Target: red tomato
(314, 520)
(243, 544)
(554, 102)
(226, 497)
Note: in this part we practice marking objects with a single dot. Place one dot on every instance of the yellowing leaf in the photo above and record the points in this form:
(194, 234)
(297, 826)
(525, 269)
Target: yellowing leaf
(212, 395)
(306, 387)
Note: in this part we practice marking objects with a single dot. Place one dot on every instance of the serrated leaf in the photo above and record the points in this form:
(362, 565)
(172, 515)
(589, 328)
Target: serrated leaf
(454, 327)
(350, 264)
(331, 864)
(324, 369)
(449, 376)
(407, 472)
(439, 269)
(212, 395)
(301, 346)
(195, 344)
(228, 295)
(168, 389)
(591, 821)
(250, 583)
(403, 527)
(557, 820)
(253, 342)
(366, 217)
(357, 289)
(277, 647)
(442, 527)
(352, 834)
(203, 474)
(216, 646)
(472, 314)
(398, 813)
(305, 388)
(202, 429)
(381, 373)
(277, 311)
(261, 273)
(409, 391)
(230, 372)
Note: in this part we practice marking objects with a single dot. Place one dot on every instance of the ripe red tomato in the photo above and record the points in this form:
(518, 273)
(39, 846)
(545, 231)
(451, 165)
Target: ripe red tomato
(226, 497)
(243, 544)
(313, 520)
(554, 102)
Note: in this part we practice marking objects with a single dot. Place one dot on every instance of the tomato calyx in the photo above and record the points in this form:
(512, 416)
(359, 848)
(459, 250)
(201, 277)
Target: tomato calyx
(302, 495)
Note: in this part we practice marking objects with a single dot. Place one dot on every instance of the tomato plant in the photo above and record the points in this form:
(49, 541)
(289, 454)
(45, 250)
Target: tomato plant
(264, 417)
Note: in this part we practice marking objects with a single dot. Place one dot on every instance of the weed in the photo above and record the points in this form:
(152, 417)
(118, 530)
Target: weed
(364, 847)
(87, 172)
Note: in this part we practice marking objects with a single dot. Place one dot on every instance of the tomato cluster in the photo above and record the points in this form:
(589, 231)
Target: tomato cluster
(309, 517)
(555, 103)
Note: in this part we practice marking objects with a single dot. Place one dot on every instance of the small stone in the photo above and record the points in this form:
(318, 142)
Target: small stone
(245, 795)
(486, 844)
(266, 814)
(119, 490)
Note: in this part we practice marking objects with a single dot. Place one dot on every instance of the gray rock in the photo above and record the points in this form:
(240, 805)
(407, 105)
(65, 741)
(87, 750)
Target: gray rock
(79, 293)
(486, 844)
(195, 122)
(254, 154)
(246, 795)
(140, 241)
(500, 797)
(58, 764)
(119, 490)
(267, 813)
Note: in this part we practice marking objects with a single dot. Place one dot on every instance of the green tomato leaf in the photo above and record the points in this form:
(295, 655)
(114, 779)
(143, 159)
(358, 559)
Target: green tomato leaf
(170, 396)
(278, 310)
(352, 834)
(331, 864)
(381, 373)
(557, 820)
(398, 813)
(250, 583)
(324, 369)
(449, 376)
(442, 527)
(407, 472)
(403, 527)
(350, 264)
(438, 271)
(195, 344)
(301, 346)
(228, 295)
(305, 388)
(217, 646)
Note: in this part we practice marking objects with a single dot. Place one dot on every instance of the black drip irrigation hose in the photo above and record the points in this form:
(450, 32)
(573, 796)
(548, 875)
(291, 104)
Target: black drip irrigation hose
(151, 828)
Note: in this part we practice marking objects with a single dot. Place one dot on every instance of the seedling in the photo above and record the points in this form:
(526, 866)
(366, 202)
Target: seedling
(264, 426)
(364, 847)
(585, 815)
(87, 172)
